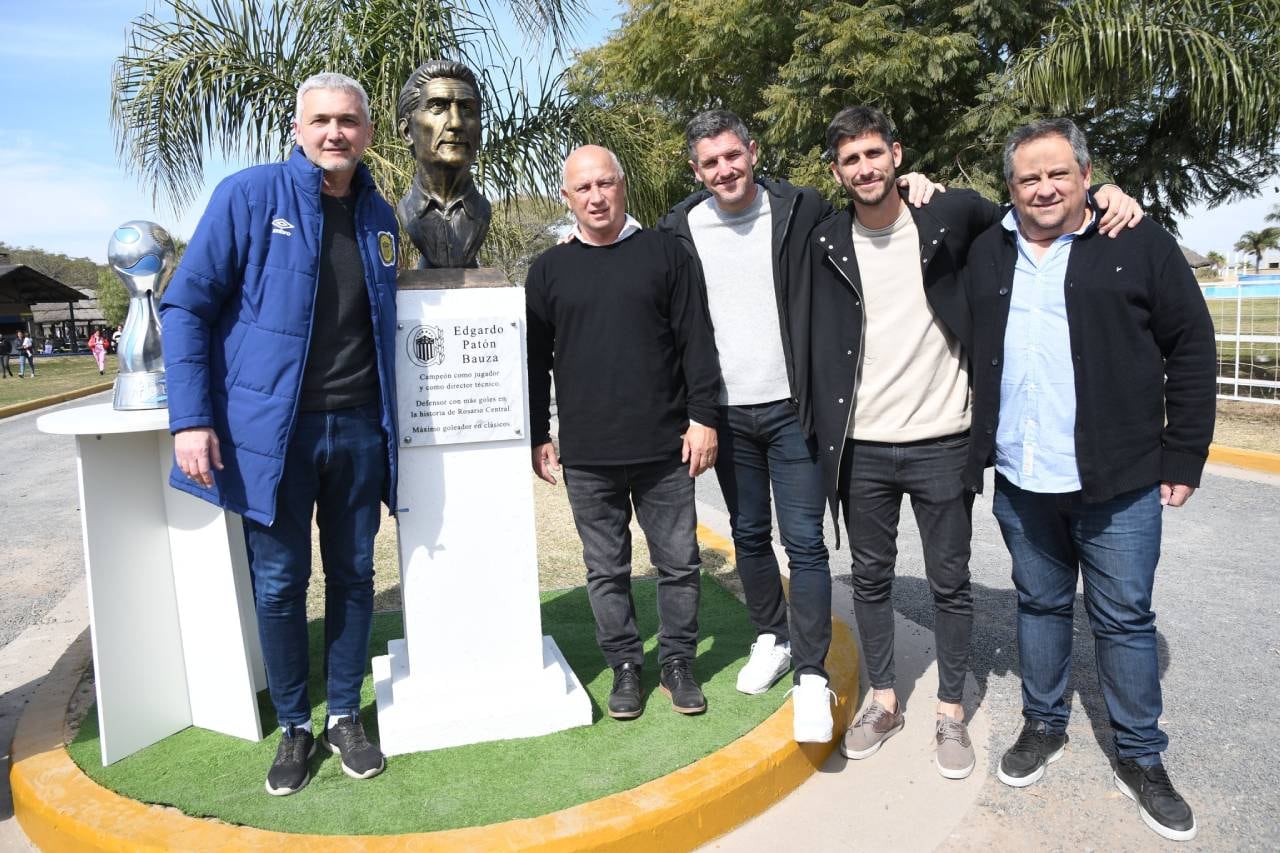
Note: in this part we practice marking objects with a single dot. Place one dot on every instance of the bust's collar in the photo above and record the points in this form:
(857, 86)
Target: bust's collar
(421, 200)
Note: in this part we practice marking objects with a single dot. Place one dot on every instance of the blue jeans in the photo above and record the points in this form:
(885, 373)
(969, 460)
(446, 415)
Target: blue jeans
(874, 476)
(762, 446)
(601, 497)
(336, 464)
(1115, 546)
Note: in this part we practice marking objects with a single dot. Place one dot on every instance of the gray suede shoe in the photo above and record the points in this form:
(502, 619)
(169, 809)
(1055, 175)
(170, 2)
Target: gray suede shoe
(955, 758)
(873, 728)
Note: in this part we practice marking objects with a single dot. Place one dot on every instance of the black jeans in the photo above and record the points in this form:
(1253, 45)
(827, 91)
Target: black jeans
(873, 478)
(601, 497)
(763, 446)
(5, 370)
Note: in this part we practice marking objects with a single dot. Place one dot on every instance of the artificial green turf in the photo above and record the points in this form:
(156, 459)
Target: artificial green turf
(211, 775)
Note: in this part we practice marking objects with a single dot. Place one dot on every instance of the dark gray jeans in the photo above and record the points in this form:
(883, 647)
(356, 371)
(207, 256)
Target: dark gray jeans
(601, 497)
(873, 478)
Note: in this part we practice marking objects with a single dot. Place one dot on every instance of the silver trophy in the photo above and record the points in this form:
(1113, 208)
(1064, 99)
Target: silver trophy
(141, 253)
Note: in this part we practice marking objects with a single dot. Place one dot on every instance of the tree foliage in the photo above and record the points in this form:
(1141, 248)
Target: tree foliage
(113, 299)
(219, 76)
(1180, 98)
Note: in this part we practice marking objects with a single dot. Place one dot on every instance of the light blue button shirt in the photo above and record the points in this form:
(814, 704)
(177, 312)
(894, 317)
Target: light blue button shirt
(1035, 439)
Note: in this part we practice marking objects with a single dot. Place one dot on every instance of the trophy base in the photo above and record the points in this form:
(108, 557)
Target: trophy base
(140, 391)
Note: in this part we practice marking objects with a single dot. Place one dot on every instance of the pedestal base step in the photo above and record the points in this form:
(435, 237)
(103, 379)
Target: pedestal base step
(416, 717)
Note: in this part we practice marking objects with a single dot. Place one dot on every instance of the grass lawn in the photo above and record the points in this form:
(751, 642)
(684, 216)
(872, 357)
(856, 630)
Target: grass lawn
(54, 375)
(1259, 315)
(207, 774)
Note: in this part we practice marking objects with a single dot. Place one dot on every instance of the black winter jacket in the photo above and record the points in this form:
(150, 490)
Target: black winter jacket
(1142, 345)
(794, 211)
(947, 225)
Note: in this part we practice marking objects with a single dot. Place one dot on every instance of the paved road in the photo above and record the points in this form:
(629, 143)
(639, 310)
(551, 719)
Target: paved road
(1217, 601)
(41, 553)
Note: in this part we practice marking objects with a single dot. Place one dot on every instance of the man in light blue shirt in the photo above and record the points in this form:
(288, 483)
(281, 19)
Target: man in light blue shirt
(1035, 440)
(1093, 371)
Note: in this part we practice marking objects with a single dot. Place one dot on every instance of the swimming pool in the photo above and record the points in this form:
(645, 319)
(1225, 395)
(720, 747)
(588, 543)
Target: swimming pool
(1250, 290)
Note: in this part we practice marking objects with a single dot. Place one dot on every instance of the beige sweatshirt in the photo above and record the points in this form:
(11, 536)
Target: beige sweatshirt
(914, 381)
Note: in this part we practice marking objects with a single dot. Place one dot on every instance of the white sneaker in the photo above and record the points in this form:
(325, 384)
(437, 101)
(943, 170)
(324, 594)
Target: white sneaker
(768, 663)
(811, 702)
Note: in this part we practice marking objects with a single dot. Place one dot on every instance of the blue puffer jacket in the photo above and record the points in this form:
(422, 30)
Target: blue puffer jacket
(237, 322)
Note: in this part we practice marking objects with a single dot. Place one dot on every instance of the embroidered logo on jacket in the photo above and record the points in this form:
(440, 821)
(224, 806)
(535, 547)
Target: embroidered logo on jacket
(387, 248)
(282, 226)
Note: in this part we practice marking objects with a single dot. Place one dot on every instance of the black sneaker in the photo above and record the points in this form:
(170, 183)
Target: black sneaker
(289, 772)
(1162, 808)
(624, 700)
(677, 682)
(1035, 749)
(360, 759)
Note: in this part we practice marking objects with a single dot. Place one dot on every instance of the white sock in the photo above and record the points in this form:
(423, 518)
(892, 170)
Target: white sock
(334, 720)
(303, 727)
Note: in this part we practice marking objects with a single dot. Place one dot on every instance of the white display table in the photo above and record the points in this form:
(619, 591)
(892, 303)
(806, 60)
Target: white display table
(175, 638)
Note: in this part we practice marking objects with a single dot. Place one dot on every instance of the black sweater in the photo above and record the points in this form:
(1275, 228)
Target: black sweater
(1142, 344)
(626, 331)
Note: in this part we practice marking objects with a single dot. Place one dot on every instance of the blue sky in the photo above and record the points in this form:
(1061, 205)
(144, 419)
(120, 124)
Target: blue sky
(62, 188)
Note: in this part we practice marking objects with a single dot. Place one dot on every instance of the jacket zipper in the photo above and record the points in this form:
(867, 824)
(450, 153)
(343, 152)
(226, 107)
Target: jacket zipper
(857, 376)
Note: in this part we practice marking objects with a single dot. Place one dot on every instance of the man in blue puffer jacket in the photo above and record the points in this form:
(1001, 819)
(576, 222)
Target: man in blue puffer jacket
(279, 330)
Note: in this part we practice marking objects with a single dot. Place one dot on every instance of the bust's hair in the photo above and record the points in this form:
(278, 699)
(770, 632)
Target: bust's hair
(411, 93)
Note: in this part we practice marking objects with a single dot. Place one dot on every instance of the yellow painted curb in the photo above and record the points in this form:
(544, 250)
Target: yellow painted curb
(62, 809)
(1258, 460)
(53, 399)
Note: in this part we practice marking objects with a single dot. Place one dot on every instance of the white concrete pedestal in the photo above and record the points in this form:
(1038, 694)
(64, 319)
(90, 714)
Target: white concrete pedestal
(474, 665)
(175, 639)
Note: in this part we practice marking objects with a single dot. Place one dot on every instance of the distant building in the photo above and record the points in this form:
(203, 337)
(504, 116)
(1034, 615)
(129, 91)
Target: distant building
(43, 307)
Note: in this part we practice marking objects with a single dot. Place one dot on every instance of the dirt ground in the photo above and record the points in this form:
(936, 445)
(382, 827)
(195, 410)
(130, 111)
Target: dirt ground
(559, 555)
(1252, 426)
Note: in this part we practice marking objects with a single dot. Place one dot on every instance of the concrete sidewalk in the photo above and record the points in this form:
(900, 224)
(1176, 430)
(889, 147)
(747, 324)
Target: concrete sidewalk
(1217, 598)
(24, 663)
(895, 800)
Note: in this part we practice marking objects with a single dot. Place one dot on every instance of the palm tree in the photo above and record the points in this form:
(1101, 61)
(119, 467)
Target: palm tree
(221, 75)
(1257, 242)
(1218, 261)
(1274, 215)
(1193, 81)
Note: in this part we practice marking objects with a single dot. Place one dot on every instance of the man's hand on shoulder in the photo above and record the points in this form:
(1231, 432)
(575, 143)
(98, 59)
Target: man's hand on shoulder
(545, 461)
(1120, 210)
(198, 454)
(1175, 494)
(919, 188)
(699, 448)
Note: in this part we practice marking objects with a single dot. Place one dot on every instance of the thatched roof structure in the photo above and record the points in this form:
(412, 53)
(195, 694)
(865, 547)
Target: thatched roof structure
(1194, 259)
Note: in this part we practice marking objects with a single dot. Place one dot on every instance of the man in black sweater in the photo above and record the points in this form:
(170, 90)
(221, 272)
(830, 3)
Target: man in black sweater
(619, 315)
(1094, 384)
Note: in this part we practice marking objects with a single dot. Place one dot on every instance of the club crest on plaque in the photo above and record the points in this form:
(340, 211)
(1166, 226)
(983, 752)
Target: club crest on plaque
(426, 346)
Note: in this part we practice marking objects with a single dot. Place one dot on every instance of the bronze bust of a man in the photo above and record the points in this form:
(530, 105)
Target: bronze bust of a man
(443, 213)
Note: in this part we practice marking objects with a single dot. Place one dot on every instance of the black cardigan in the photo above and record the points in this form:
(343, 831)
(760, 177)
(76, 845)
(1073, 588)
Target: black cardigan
(1142, 345)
